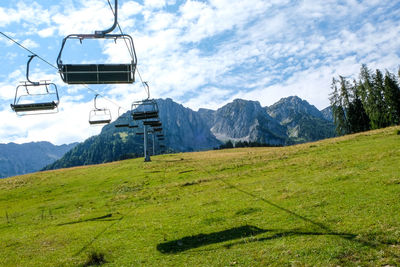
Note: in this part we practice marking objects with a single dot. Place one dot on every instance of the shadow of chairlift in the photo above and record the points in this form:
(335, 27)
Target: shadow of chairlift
(99, 73)
(99, 116)
(34, 98)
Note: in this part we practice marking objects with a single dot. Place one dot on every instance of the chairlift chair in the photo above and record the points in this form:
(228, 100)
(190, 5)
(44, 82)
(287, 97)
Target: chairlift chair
(33, 98)
(161, 138)
(152, 123)
(99, 73)
(139, 133)
(99, 115)
(157, 129)
(145, 109)
(122, 121)
(133, 125)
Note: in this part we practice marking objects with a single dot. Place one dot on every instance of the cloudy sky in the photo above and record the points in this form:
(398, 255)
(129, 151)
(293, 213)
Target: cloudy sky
(199, 53)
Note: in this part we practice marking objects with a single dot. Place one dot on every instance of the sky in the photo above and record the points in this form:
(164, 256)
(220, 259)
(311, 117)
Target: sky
(202, 54)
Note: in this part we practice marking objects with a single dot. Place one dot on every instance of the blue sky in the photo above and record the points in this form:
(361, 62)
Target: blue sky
(199, 53)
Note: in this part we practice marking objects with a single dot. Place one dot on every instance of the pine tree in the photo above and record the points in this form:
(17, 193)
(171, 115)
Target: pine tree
(391, 93)
(358, 119)
(381, 112)
(338, 113)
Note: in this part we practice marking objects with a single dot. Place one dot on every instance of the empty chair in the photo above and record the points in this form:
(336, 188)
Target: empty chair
(122, 121)
(99, 115)
(145, 109)
(33, 98)
(152, 123)
(104, 73)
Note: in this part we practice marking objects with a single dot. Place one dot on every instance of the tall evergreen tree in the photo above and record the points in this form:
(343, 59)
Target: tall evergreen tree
(380, 110)
(358, 119)
(391, 92)
(338, 113)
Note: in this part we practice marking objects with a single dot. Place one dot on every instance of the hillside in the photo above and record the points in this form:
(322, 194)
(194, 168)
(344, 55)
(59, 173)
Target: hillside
(16, 159)
(329, 203)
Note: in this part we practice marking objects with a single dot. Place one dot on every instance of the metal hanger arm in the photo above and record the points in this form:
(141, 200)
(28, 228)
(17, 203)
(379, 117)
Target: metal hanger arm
(102, 33)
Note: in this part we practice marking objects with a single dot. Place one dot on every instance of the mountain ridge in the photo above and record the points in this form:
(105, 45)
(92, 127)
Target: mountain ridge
(187, 130)
(16, 159)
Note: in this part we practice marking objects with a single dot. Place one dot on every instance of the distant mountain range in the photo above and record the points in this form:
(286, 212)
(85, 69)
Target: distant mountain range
(18, 159)
(289, 121)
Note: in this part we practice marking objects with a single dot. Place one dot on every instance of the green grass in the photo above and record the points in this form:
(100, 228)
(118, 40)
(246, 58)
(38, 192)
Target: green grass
(329, 203)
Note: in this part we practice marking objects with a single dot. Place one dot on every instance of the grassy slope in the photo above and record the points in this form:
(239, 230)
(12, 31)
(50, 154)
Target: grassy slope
(334, 202)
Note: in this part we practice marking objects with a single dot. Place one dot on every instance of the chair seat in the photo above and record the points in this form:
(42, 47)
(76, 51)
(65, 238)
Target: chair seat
(34, 106)
(97, 73)
(122, 125)
(99, 121)
(139, 115)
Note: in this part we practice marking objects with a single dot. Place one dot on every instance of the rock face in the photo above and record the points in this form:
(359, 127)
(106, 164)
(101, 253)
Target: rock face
(327, 113)
(184, 128)
(18, 159)
(244, 120)
(184, 131)
(303, 121)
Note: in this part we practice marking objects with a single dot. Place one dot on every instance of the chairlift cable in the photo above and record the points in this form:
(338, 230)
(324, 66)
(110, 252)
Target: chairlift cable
(30, 51)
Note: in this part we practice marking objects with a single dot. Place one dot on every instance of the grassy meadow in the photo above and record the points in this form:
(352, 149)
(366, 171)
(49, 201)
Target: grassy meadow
(334, 202)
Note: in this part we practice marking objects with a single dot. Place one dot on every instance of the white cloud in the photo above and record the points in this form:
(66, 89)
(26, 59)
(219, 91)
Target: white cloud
(30, 44)
(154, 3)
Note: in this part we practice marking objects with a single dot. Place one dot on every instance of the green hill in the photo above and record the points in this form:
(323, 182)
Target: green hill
(329, 203)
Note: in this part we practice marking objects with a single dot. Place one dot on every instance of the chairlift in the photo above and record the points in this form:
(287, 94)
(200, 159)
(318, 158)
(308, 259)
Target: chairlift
(139, 133)
(99, 73)
(132, 125)
(160, 135)
(152, 123)
(122, 121)
(145, 109)
(99, 115)
(157, 129)
(32, 98)
(161, 138)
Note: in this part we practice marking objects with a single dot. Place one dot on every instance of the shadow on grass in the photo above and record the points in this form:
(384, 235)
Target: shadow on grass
(326, 230)
(200, 240)
(101, 218)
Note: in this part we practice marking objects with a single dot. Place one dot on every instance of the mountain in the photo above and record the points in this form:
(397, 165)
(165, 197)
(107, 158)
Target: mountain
(303, 122)
(291, 120)
(327, 113)
(184, 131)
(18, 159)
(244, 120)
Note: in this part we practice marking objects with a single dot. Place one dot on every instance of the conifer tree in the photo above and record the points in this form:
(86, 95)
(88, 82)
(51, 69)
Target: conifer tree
(380, 109)
(338, 113)
(358, 119)
(391, 93)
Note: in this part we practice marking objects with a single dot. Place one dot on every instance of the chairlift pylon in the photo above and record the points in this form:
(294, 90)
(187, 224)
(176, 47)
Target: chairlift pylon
(99, 73)
(99, 115)
(37, 97)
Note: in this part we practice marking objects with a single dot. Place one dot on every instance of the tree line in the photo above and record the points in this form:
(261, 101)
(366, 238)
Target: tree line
(371, 102)
(230, 144)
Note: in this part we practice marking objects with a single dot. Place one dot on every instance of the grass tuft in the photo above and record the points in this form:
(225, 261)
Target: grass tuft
(95, 259)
